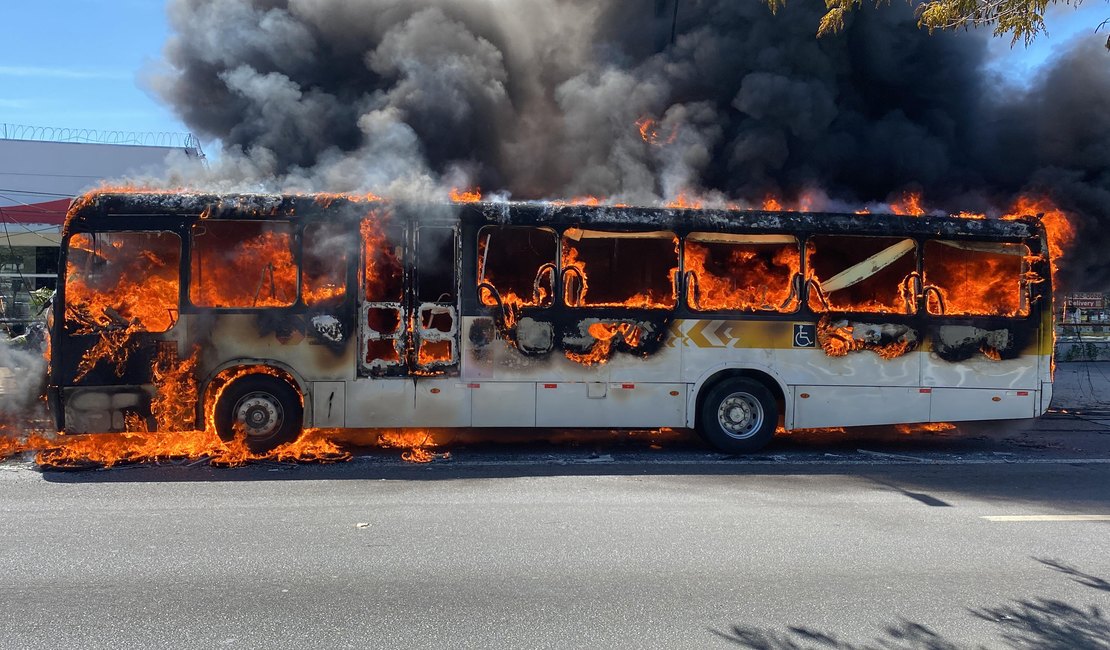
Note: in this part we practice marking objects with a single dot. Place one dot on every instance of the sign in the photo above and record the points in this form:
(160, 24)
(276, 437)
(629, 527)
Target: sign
(805, 335)
(1085, 300)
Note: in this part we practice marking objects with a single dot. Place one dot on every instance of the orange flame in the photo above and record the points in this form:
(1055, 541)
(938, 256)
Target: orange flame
(746, 277)
(909, 204)
(649, 132)
(771, 204)
(685, 203)
(932, 427)
(417, 443)
(838, 341)
(466, 196)
(605, 335)
(1060, 231)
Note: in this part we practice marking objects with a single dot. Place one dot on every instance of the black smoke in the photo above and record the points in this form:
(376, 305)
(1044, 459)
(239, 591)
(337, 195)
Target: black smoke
(540, 99)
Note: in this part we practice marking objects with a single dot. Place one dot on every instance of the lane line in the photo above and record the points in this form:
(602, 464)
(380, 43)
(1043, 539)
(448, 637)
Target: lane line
(1047, 518)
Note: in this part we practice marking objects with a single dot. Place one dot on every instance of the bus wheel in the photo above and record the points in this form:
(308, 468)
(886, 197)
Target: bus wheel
(738, 415)
(266, 409)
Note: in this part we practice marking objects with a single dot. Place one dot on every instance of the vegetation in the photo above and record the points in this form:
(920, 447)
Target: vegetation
(1019, 19)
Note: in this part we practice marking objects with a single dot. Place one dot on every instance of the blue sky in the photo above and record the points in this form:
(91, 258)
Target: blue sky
(79, 63)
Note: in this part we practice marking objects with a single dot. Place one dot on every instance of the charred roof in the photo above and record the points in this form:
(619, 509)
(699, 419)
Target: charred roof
(331, 206)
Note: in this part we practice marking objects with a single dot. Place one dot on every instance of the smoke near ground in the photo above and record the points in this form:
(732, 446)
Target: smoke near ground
(541, 99)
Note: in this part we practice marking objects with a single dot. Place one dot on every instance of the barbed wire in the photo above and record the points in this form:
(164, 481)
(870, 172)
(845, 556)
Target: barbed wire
(63, 134)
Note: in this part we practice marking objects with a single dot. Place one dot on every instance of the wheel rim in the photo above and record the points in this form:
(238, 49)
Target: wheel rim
(259, 414)
(740, 415)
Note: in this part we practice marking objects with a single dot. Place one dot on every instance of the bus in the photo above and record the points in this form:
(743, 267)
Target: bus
(262, 315)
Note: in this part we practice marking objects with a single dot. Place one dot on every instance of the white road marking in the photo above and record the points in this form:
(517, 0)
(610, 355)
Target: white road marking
(1047, 518)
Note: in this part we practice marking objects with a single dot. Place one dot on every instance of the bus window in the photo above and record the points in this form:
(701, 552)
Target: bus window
(741, 272)
(435, 292)
(324, 264)
(382, 273)
(237, 264)
(435, 252)
(123, 279)
(608, 269)
(519, 262)
(851, 273)
(975, 278)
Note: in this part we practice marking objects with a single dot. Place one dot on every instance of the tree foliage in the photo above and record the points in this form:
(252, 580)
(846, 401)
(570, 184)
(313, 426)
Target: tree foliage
(1020, 19)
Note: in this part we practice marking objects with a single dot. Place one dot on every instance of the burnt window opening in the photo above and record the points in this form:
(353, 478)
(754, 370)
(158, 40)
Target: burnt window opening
(868, 274)
(976, 278)
(237, 264)
(123, 280)
(742, 272)
(383, 274)
(606, 269)
(436, 281)
(325, 250)
(383, 320)
(519, 262)
(435, 260)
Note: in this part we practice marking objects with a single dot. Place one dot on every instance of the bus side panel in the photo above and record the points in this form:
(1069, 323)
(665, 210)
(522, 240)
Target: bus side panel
(840, 406)
(963, 404)
(711, 345)
(981, 372)
(405, 402)
(503, 404)
(441, 402)
(329, 404)
(381, 403)
(495, 359)
(616, 405)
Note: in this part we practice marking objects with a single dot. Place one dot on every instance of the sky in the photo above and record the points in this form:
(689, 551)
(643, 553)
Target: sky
(80, 64)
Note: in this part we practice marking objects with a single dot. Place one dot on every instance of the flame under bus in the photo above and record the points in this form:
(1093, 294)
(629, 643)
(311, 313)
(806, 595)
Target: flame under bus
(376, 314)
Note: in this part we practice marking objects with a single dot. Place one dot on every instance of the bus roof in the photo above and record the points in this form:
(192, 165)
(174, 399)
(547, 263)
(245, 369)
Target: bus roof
(146, 204)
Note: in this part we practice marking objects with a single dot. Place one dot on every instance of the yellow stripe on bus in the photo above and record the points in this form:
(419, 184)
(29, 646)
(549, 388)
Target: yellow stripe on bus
(720, 334)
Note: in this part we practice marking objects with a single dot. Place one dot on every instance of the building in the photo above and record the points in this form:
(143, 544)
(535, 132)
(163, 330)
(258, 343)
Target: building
(41, 171)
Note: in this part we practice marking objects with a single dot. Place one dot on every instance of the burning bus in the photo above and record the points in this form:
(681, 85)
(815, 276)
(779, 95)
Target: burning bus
(262, 315)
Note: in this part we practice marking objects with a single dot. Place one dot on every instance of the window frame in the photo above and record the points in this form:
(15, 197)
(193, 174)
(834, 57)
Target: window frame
(65, 282)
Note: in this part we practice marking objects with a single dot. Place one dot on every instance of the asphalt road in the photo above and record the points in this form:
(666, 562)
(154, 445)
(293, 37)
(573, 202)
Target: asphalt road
(580, 553)
(989, 535)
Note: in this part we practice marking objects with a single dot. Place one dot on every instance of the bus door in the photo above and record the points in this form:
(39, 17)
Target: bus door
(435, 330)
(409, 329)
(383, 312)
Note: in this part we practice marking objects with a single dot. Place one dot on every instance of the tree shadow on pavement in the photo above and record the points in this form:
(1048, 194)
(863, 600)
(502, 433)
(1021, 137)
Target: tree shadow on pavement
(1037, 623)
(1085, 579)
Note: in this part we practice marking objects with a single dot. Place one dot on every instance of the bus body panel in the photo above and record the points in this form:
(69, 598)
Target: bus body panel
(965, 404)
(840, 406)
(610, 405)
(503, 404)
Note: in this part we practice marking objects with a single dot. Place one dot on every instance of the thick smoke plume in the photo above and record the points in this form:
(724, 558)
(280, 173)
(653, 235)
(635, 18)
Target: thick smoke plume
(545, 98)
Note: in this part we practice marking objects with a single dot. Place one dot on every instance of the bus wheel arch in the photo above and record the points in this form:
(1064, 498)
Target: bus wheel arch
(738, 409)
(267, 402)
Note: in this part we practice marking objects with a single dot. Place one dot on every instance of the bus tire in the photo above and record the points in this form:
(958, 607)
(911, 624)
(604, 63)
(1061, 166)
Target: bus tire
(267, 408)
(738, 415)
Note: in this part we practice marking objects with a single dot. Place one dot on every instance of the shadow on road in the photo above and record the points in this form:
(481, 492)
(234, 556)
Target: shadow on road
(1035, 623)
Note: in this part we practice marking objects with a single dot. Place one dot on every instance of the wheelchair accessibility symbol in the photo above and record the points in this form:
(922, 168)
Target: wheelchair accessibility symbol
(805, 335)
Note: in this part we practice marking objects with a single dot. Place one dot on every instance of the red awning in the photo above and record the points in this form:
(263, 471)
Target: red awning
(48, 212)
